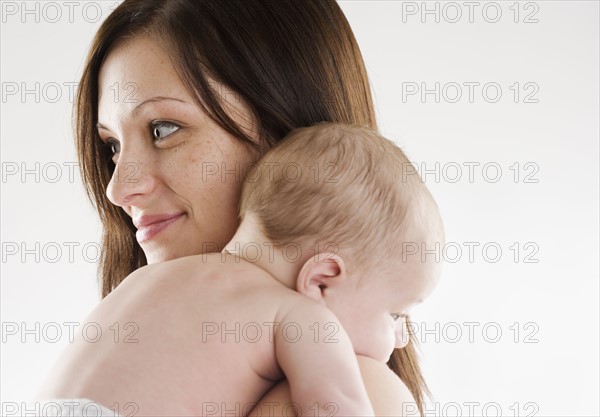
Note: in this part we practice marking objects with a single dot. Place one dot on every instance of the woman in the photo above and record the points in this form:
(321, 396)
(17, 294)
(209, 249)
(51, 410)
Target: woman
(177, 98)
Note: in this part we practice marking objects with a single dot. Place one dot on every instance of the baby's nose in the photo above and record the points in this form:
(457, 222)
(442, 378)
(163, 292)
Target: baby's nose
(401, 333)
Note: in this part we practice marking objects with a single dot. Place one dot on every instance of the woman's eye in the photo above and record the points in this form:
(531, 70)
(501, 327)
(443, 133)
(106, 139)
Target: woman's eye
(113, 146)
(161, 130)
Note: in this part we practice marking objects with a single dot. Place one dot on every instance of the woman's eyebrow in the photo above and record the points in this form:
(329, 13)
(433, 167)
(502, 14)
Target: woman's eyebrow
(137, 108)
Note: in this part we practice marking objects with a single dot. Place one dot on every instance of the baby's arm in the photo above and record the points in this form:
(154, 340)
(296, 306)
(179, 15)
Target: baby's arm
(388, 394)
(317, 357)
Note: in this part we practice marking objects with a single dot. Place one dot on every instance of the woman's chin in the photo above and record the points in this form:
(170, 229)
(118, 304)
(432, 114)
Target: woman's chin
(154, 258)
(162, 253)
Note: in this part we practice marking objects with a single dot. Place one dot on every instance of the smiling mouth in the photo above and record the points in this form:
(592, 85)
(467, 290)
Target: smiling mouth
(149, 231)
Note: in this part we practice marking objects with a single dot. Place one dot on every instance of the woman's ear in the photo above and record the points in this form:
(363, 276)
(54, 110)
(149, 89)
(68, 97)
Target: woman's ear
(320, 272)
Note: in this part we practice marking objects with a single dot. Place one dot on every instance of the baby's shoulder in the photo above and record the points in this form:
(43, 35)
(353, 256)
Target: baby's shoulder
(297, 307)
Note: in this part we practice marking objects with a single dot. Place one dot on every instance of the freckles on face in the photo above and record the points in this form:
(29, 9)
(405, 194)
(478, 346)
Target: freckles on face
(211, 177)
(189, 169)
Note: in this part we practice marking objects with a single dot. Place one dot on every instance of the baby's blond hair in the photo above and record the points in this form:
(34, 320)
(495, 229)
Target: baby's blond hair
(340, 185)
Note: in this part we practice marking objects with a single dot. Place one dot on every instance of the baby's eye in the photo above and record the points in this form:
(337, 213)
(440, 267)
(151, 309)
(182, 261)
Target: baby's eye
(396, 316)
(160, 130)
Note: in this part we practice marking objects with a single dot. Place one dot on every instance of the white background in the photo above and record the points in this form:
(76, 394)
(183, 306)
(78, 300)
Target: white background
(552, 205)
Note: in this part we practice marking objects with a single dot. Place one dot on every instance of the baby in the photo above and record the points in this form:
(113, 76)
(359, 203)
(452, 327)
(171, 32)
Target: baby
(315, 274)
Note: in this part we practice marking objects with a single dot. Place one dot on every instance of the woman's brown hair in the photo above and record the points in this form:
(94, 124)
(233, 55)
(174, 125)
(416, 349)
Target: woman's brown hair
(294, 63)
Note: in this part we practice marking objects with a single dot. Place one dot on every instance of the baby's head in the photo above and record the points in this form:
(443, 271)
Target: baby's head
(345, 205)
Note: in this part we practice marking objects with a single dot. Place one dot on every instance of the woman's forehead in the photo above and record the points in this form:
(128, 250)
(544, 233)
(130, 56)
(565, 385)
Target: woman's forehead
(141, 70)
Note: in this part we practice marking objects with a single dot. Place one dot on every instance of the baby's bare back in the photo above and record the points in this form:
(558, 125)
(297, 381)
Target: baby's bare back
(191, 336)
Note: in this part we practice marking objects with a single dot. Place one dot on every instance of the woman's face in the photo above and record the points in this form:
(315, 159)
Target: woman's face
(178, 174)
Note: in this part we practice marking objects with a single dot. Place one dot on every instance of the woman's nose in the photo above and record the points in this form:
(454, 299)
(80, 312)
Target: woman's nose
(133, 178)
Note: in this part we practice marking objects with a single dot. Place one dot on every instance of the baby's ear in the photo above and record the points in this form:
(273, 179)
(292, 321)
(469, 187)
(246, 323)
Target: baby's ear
(320, 272)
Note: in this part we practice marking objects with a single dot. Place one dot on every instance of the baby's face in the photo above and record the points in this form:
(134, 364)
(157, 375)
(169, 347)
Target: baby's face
(374, 314)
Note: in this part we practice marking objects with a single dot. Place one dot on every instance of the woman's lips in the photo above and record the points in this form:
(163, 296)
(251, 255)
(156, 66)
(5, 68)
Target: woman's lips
(145, 233)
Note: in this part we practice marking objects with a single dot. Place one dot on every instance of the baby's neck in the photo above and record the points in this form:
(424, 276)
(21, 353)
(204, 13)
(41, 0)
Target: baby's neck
(266, 257)
(251, 245)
